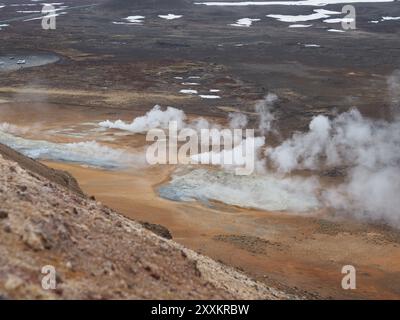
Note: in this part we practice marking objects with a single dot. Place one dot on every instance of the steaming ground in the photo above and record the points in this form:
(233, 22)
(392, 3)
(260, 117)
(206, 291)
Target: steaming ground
(266, 192)
(211, 65)
(210, 201)
(88, 153)
(368, 151)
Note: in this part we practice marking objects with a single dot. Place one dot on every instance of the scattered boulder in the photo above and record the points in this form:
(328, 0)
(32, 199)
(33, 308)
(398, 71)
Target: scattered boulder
(3, 214)
(157, 229)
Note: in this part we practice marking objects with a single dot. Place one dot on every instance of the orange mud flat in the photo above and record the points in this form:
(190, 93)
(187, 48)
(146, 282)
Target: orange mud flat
(297, 253)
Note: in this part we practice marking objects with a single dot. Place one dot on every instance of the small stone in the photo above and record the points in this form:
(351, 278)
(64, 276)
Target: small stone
(58, 278)
(155, 275)
(133, 270)
(33, 240)
(157, 229)
(3, 214)
(13, 282)
(22, 188)
(108, 268)
(58, 291)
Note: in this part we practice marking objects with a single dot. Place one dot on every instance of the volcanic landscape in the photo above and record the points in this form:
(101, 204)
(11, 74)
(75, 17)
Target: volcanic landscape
(324, 103)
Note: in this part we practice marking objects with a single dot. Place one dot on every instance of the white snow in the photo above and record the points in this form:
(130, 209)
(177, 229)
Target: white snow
(190, 83)
(28, 11)
(170, 16)
(300, 25)
(245, 22)
(126, 23)
(316, 3)
(384, 19)
(188, 91)
(23, 4)
(206, 96)
(335, 30)
(328, 12)
(390, 18)
(316, 15)
(339, 20)
(135, 19)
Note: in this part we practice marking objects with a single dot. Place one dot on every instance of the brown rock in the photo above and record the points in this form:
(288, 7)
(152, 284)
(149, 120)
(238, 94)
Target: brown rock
(33, 239)
(157, 229)
(3, 214)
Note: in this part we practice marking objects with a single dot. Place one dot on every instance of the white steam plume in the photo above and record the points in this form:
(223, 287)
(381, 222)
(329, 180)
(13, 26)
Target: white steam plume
(369, 149)
(155, 118)
(237, 155)
(88, 152)
(237, 120)
(264, 111)
(394, 93)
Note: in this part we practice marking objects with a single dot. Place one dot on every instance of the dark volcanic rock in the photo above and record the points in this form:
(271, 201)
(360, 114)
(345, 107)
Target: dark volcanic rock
(157, 229)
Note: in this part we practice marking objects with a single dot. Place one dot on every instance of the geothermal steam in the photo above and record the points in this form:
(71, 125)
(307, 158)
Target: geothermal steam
(266, 117)
(367, 150)
(88, 152)
(155, 118)
(266, 192)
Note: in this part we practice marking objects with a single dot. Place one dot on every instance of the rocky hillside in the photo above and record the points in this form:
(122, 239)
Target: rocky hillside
(97, 253)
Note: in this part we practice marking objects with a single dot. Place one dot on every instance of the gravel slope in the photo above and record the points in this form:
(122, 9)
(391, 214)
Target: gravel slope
(97, 253)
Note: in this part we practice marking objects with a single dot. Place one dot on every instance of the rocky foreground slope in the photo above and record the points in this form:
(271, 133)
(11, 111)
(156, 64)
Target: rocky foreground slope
(97, 253)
